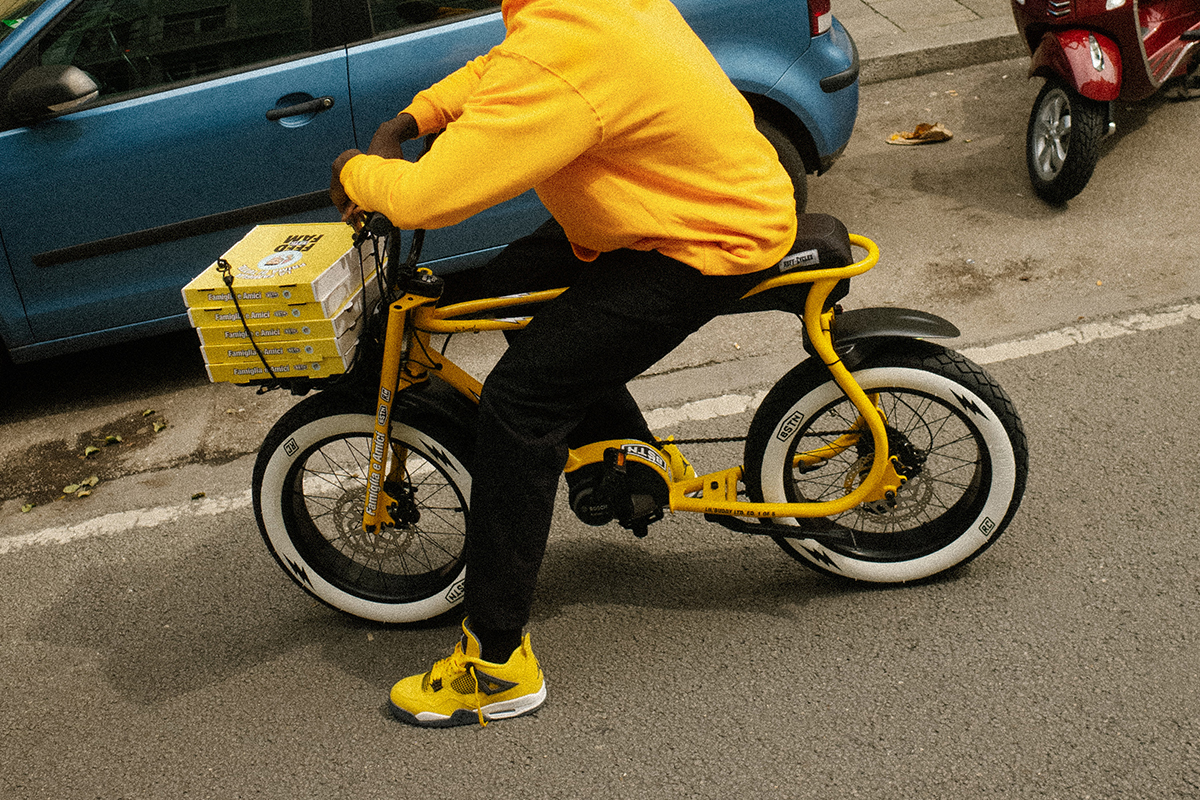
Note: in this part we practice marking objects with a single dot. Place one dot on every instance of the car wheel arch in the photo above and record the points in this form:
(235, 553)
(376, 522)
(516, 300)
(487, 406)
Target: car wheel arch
(783, 120)
(792, 143)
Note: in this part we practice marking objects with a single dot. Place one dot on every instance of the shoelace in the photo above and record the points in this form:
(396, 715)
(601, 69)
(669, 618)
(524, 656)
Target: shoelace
(478, 704)
(453, 665)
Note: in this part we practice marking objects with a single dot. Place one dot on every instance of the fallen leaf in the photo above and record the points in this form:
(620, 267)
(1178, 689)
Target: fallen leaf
(198, 496)
(83, 493)
(90, 451)
(112, 439)
(25, 509)
(71, 488)
(924, 133)
(158, 426)
(148, 412)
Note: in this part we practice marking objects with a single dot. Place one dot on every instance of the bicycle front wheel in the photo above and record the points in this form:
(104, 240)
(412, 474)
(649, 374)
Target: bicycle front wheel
(957, 437)
(309, 485)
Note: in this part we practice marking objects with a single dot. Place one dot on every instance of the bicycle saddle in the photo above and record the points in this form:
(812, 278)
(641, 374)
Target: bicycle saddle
(822, 242)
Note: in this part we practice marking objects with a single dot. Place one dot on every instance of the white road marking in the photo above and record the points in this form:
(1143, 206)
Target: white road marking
(123, 521)
(724, 406)
(711, 408)
(1083, 334)
(733, 404)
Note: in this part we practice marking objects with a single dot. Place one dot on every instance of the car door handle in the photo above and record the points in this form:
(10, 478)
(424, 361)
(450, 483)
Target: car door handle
(309, 107)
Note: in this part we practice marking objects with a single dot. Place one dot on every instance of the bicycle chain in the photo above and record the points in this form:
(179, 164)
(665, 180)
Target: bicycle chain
(729, 439)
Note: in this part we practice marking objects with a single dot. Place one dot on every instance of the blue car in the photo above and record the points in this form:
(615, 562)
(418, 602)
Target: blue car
(139, 139)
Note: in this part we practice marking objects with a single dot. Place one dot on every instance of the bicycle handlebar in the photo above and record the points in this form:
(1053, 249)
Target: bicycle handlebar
(378, 225)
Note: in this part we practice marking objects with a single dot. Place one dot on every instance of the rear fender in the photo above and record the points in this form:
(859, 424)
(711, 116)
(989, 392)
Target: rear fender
(1088, 62)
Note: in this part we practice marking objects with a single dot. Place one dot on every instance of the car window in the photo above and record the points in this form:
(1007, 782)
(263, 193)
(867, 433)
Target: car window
(14, 12)
(140, 45)
(388, 16)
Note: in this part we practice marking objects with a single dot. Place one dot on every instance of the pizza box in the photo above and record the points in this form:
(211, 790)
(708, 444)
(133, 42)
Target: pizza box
(281, 266)
(286, 328)
(280, 350)
(251, 370)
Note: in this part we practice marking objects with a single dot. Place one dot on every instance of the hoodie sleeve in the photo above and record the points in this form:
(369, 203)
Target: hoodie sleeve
(520, 125)
(442, 103)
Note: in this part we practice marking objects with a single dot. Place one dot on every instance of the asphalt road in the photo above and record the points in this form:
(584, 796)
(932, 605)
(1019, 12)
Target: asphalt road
(151, 648)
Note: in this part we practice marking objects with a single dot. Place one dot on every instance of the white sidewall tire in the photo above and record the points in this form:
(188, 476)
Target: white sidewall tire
(976, 534)
(274, 527)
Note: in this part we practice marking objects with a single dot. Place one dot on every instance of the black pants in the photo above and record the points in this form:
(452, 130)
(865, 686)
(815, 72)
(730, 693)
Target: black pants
(561, 384)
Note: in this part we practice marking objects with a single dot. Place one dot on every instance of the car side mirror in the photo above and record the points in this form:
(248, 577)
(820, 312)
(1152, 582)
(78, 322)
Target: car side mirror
(51, 89)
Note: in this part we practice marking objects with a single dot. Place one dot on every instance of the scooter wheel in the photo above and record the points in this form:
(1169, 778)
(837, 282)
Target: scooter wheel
(1062, 144)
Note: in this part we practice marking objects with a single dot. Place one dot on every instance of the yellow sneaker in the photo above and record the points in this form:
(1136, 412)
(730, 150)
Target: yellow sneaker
(681, 468)
(464, 688)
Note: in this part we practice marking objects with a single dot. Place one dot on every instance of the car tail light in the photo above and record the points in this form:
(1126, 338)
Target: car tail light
(820, 16)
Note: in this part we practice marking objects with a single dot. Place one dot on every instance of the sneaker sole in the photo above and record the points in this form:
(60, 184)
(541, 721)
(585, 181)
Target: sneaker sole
(507, 709)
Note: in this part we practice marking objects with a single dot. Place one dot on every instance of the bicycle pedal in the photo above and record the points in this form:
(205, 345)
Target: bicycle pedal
(644, 510)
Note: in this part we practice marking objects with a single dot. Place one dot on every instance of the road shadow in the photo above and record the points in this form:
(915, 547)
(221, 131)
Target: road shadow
(101, 377)
(161, 628)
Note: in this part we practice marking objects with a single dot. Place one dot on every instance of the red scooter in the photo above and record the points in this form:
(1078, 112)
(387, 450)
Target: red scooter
(1092, 52)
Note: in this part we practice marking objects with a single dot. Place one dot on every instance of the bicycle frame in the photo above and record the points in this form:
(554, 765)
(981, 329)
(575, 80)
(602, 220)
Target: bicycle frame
(409, 359)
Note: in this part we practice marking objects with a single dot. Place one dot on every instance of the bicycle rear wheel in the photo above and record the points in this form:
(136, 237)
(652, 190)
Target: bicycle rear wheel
(955, 432)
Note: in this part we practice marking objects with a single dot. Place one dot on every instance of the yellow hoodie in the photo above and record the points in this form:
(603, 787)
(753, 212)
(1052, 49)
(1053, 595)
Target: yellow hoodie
(620, 118)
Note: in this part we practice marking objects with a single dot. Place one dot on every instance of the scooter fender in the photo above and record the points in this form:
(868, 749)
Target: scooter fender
(856, 330)
(1088, 62)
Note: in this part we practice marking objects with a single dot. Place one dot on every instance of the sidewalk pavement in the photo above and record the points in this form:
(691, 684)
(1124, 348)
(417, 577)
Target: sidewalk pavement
(902, 38)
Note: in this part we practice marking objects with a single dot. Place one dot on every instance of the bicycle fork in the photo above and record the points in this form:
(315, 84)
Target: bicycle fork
(398, 372)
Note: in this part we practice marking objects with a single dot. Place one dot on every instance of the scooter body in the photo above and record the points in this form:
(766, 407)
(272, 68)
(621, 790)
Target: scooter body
(1088, 62)
(1091, 53)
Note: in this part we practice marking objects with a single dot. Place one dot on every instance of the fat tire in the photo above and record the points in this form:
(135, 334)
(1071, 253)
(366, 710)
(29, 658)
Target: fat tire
(1062, 142)
(954, 508)
(309, 482)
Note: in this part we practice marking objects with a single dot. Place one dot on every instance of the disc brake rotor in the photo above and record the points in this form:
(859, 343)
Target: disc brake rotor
(347, 514)
(912, 497)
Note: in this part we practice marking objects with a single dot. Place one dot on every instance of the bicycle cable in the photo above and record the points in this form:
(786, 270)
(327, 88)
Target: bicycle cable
(226, 270)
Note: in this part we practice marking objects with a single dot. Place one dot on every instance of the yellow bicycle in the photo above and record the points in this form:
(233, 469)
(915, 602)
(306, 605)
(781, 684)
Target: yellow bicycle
(881, 457)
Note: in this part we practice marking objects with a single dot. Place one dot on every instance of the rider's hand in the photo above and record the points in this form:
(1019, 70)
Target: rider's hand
(337, 193)
(391, 134)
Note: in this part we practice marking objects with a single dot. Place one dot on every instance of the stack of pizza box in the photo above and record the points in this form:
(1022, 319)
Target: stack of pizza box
(301, 295)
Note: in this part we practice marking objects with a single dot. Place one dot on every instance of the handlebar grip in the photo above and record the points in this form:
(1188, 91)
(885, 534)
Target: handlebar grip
(378, 224)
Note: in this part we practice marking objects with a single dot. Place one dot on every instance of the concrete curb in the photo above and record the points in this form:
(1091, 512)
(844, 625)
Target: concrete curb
(931, 49)
(938, 49)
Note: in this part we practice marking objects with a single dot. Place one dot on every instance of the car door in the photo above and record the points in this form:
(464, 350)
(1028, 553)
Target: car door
(414, 44)
(108, 211)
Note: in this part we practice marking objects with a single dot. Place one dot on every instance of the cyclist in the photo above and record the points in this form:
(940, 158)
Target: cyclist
(665, 202)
